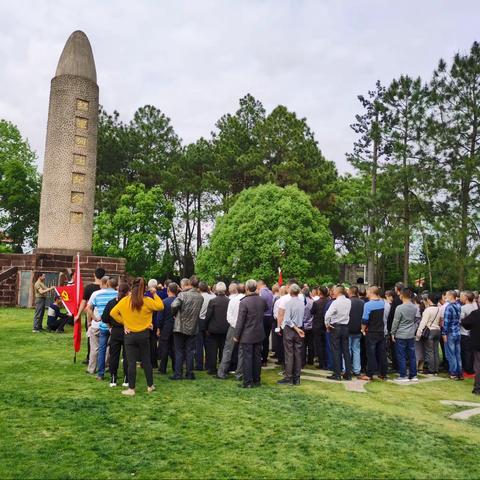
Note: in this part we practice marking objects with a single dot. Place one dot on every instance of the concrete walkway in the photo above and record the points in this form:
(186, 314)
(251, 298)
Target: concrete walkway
(464, 414)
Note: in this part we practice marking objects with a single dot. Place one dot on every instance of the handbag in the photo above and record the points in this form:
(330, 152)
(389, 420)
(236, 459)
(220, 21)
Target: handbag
(426, 330)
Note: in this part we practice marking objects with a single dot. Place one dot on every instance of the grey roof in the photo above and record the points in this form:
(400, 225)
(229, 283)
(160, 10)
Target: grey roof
(77, 58)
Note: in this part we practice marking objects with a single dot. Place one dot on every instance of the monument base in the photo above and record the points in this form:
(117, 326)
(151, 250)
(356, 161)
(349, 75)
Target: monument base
(18, 272)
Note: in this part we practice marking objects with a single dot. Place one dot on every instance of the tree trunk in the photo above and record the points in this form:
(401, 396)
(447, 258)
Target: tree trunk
(371, 252)
(199, 223)
(463, 250)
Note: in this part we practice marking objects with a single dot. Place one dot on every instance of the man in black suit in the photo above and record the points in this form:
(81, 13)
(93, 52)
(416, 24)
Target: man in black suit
(249, 332)
(216, 327)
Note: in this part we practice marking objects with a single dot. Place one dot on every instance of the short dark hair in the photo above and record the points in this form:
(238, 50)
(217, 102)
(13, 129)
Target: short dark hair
(323, 291)
(123, 289)
(203, 287)
(434, 297)
(173, 288)
(406, 293)
(194, 281)
(354, 291)
(99, 273)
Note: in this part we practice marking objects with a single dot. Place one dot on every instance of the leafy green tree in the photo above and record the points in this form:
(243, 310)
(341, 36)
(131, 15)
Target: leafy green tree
(19, 188)
(407, 101)
(269, 227)
(236, 153)
(369, 150)
(455, 134)
(137, 230)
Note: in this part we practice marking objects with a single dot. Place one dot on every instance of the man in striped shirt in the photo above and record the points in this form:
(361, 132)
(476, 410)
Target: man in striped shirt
(100, 331)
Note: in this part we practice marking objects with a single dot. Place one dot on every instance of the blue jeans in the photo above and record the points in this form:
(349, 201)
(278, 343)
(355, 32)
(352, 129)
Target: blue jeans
(102, 352)
(354, 345)
(452, 351)
(406, 348)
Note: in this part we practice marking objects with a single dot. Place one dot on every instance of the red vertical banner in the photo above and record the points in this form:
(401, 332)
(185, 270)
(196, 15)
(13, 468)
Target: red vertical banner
(280, 277)
(71, 296)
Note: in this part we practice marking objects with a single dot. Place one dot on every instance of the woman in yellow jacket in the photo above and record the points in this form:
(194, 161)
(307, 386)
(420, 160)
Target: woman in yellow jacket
(135, 313)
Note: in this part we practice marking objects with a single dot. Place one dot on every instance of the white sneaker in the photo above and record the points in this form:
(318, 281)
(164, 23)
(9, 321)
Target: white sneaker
(414, 379)
(125, 384)
(130, 392)
(401, 380)
(113, 384)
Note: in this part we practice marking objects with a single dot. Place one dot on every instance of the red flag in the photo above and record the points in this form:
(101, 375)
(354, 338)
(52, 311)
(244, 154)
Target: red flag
(280, 278)
(71, 296)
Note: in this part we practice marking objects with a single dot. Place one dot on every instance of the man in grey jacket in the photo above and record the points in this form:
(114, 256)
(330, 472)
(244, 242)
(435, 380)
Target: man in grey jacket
(186, 309)
(403, 335)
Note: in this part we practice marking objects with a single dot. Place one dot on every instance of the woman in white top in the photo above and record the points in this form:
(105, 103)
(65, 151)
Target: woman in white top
(431, 320)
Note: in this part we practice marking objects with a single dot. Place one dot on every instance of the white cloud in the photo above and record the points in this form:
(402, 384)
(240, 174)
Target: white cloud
(194, 59)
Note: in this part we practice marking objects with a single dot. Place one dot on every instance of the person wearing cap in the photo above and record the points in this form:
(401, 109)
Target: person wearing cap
(56, 320)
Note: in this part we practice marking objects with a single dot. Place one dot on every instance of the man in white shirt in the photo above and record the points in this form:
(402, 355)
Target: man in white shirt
(200, 340)
(336, 321)
(232, 315)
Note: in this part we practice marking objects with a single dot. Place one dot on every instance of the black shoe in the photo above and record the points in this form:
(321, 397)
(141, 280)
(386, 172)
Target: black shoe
(162, 372)
(284, 381)
(334, 377)
(190, 377)
(219, 377)
(347, 377)
(85, 362)
(60, 331)
(248, 385)
(198, 369)
(296, 382)
(475, 392)
(175, 377)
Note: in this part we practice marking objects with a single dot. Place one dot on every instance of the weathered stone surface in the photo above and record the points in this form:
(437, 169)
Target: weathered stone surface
(68, 185)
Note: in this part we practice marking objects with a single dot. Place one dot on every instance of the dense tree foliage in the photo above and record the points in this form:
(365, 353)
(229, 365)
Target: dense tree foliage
(137, 230)
(269, 227)
(19, 189)
(408, 210)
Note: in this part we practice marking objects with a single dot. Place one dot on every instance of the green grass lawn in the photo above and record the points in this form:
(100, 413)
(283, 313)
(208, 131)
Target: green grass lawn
(58, 422)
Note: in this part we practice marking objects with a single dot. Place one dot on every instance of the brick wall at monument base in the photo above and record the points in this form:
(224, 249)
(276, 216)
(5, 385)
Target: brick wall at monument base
(50, 263)
(8, 291)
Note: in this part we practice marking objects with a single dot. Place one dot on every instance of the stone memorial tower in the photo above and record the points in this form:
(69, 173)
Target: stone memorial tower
(68, 186)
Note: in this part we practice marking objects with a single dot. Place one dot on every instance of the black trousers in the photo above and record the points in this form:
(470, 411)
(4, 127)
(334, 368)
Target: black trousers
(214, 343)
(184, 351)
(153, 348)
(57, 325)
(252, 362)
(267, 327)
(476, 366)
(166, 348)
(466, 353)
(293, 345)
(199, 350)
(137, 345)
(308, 352)
(319, 347)
(376, 354)
(116, 346)
(339, 344)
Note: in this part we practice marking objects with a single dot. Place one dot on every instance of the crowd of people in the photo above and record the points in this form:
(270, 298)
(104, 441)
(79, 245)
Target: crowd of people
(354, 333)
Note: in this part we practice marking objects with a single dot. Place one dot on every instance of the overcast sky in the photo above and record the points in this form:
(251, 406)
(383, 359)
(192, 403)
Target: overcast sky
(195, 59)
